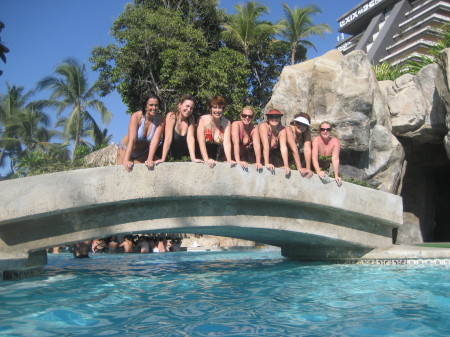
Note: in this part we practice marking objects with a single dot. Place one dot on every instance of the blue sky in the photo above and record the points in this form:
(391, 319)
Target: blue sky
(42, 33)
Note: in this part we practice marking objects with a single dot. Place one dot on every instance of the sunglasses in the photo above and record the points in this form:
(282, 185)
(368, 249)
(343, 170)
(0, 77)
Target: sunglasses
(300, 124)
(274, 117)
(325, 129)
(246, 116)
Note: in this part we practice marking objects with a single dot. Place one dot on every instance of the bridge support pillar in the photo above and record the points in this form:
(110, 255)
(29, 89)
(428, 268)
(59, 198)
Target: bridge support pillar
(19, 266)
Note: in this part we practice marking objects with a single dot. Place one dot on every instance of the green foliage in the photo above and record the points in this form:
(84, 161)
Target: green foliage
(386, 71)
(54, 158)
(169, 48)
(175, 47)
(359, 182)
(22, 126)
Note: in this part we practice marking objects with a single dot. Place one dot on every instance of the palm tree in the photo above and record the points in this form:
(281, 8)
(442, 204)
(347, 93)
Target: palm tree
(297, 27)
(246, 30)
(102, 140)
(71, 90)
(23, 127)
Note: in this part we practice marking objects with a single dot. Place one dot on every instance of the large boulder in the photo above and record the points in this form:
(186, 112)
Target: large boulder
(416, 109)
(344, 91)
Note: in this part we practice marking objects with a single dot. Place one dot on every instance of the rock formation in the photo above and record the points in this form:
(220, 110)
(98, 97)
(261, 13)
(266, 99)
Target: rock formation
(394, 134)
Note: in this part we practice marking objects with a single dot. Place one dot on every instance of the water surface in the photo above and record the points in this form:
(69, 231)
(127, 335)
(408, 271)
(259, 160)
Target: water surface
(224, 294)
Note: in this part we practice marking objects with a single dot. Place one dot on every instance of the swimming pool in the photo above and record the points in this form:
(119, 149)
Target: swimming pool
(225, 294)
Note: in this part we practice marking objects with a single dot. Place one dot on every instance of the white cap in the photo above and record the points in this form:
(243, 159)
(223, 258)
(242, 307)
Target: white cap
(302, 120)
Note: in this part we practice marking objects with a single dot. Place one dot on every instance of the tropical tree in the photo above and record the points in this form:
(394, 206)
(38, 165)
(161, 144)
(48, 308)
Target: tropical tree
(102, 139)
(255, 38)
(70, 90)
(23, 127)
(297, 27)
(170, 48)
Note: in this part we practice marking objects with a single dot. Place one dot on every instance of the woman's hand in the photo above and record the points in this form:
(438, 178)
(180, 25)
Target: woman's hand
(211, 163)
(287, 170)
(338, 181)
(128, 165)
(321, 174)
(306, 173)
(150, 164)
(243, 164)
(195, 160)
(258, 166)
(270, 167)
(231, 162)
(159, 161)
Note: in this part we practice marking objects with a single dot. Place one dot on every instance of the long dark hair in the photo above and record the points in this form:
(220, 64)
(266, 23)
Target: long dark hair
(146, 98)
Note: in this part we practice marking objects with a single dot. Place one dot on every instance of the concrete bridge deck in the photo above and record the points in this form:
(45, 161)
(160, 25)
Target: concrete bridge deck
(305, 217)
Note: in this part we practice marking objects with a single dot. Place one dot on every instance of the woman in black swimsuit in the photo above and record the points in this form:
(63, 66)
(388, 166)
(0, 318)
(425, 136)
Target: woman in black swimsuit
(179, 140)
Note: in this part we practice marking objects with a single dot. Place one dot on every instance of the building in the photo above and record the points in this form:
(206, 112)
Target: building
(393, 31)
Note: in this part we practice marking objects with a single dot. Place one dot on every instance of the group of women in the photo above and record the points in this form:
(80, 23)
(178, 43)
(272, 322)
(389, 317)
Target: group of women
(214, 138)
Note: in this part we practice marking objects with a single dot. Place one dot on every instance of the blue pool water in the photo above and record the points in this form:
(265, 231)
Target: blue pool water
(224, 294)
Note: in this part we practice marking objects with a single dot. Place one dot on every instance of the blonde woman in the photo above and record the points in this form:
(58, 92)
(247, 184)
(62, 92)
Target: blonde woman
(245, 137)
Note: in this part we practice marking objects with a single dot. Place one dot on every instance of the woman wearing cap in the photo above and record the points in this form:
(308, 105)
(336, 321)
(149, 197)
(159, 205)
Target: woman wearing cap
(213, 132)
(299, 136)
(325, 153)
(144, 133)
(273, 140)
(179, 132)
(245, 137)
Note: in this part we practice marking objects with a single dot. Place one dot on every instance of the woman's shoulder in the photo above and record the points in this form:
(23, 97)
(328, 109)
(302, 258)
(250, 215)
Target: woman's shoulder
(137, 115)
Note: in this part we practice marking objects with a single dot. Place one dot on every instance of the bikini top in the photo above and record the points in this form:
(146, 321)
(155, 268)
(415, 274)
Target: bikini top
(209, 134)
(269, 134)
(241, 138)
(176, 136)
(140, 131)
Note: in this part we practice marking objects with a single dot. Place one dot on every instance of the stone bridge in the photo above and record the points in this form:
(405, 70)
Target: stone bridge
(307, 218)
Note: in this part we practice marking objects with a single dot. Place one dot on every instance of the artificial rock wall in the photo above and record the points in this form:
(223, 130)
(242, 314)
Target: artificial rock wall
(394, 134)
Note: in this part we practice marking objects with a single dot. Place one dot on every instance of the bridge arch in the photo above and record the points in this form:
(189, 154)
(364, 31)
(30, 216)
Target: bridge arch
(305, 217)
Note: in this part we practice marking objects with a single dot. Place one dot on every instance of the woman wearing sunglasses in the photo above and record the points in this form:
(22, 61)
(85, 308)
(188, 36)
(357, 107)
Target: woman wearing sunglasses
(300, 137)
(325, 153)
(214, 132)
(245, 137)
(273, 140)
